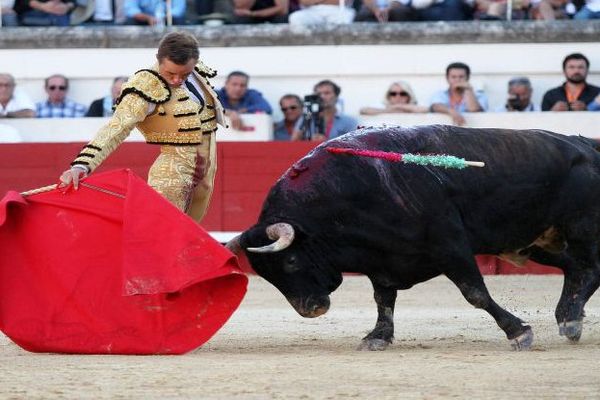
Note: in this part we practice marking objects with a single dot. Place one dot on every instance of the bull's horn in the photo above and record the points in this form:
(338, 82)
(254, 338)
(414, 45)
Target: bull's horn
(234, 245)
(283, 234)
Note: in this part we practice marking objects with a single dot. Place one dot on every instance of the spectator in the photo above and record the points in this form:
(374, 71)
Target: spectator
(595, 105)
(152, 12)
(104, 107)
(215, 11)
(57, 105)
(399, 98)
(291, 107)
(238, 99)
(384, 11)
(575, 94)
(519, 96)
(590, 10)
(328, 123)
(496, 9)
(9, 16)
(99, 12)
(14, 103)
(550, 10)
(44, 12)
(322, 12)
(460, 96)
(260, 11)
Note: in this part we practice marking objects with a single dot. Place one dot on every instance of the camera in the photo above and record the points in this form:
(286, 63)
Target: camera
(312, 103)
(312, 121)
(515, 103)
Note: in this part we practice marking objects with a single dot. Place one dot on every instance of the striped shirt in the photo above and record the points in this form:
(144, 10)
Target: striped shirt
(67, 109)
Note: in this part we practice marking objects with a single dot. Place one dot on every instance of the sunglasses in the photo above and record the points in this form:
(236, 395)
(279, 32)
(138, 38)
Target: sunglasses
(61, 88)
(392, 94)
(284, 109)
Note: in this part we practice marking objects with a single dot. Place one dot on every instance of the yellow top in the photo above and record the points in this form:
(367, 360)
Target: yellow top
(176, 119)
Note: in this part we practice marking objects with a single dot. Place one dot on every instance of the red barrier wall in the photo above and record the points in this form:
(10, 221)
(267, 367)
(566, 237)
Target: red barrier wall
(246, 171)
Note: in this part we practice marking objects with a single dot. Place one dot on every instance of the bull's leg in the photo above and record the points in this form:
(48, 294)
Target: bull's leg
(581, 280)
(383, 333)
(470, 282)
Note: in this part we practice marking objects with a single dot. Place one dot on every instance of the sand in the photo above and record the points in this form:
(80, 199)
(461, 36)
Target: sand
(444, 349)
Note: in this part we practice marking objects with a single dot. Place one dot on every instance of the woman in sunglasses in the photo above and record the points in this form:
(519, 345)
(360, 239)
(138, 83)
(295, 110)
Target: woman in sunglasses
(399, 98)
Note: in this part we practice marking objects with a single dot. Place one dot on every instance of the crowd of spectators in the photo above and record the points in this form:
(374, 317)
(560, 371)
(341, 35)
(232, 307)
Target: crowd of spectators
(294, 12)
(319, 116)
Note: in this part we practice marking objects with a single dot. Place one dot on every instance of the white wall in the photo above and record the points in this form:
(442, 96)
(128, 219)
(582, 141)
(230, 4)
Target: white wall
(42, 130)
(363, 72)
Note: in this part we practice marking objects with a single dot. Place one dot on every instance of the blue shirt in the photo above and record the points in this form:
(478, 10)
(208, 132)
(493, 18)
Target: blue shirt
(67, 109)
(342, 124)
(133, 7)
(252, 102)
(443, 97)
(593, 106)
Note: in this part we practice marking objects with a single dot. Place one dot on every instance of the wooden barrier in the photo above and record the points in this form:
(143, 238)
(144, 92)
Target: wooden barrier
(246, 171)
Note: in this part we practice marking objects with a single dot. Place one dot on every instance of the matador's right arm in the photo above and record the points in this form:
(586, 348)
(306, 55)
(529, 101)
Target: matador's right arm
(142, 90)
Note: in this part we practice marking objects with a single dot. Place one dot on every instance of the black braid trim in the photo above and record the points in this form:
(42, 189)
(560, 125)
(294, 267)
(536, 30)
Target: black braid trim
(86, 155)
(91, 146)
(80, 163)
(184, 115)
(183, 98)
(176, 144)
(188, 129)
(143, 95)
(208, 119)
(205, 73)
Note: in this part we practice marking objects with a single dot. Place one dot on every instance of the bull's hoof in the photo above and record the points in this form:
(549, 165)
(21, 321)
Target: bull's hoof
(523, 341)
(373, 345)
(571, 329)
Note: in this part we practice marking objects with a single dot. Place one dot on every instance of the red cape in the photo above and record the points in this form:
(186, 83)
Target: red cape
(111, 269)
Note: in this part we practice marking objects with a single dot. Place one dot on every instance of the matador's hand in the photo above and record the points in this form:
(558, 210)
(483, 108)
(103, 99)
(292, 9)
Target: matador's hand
(72, 177)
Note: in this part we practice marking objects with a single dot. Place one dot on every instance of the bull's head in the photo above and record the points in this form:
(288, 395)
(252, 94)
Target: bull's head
(288, 259)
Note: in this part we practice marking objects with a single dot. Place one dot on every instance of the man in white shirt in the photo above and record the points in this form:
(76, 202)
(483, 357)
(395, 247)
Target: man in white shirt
(14, 103)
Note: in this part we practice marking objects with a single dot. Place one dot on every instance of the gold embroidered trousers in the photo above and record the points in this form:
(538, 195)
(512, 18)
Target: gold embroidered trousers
(185, 175)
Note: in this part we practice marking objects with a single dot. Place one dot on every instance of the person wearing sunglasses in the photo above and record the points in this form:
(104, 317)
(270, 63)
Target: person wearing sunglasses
(57, 105)
(291, 107)
(399, 98)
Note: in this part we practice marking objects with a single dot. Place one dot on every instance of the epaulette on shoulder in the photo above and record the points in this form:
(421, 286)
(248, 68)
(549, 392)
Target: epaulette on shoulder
(147, 84)
(204, 70)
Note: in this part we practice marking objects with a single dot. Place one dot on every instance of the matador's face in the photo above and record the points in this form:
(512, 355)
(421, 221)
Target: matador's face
(175, 74)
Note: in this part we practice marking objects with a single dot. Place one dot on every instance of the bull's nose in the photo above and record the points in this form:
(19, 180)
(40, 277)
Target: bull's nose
(311, 307)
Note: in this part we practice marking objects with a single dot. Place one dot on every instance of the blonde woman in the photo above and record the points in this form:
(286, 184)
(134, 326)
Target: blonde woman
(399, 98)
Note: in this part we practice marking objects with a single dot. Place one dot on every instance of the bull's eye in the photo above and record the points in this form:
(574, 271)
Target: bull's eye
(291, 264)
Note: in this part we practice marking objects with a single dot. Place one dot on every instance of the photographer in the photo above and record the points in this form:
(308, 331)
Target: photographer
(575, 94)
(519, 96)
(321, 120)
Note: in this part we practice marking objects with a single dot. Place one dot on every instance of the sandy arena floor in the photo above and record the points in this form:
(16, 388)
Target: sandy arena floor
(443, 349)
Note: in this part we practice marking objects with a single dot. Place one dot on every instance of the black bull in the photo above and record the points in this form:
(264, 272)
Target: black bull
(537, 197)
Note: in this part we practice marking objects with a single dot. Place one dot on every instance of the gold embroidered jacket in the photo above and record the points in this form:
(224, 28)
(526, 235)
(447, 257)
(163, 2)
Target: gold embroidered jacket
(176, 119)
